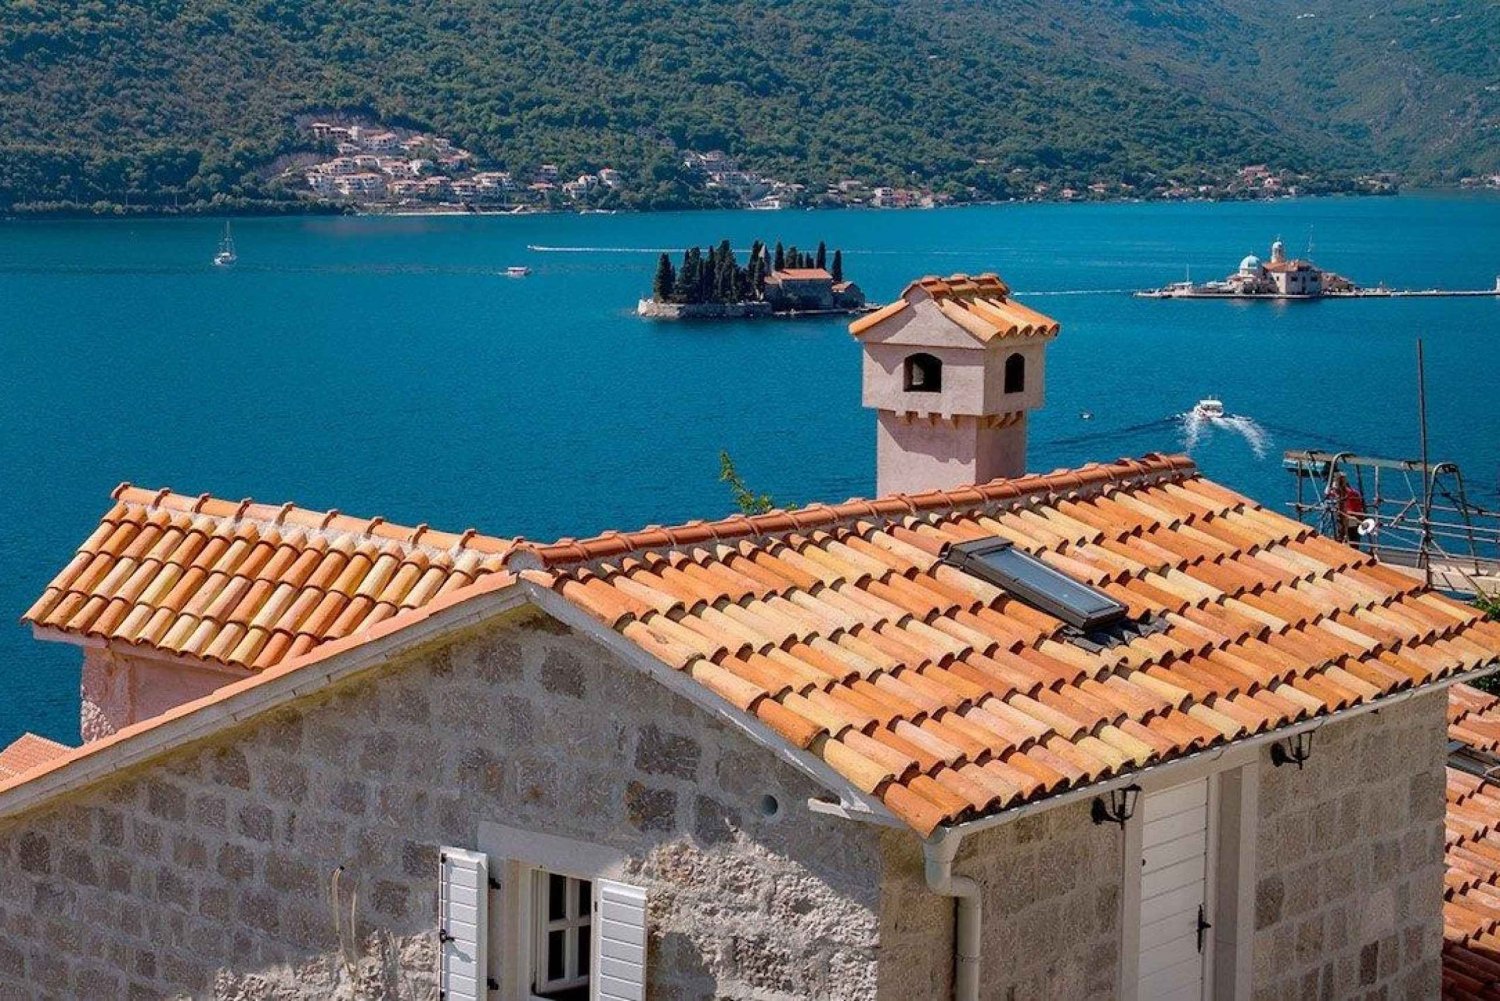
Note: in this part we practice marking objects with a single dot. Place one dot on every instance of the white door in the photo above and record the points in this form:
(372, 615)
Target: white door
(1176, 863)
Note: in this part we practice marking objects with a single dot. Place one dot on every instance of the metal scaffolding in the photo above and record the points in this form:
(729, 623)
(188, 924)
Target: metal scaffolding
(1403, 511)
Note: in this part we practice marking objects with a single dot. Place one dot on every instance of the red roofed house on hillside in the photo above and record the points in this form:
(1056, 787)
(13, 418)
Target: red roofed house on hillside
(1108, 732)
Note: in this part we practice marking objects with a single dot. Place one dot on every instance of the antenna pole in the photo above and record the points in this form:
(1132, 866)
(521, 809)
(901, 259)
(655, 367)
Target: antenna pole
(1426, 551)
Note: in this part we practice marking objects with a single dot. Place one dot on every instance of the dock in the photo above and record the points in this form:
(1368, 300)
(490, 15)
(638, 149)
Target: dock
(1204, 292)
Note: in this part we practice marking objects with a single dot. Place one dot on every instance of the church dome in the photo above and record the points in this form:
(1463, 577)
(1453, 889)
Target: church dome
(1250, 265)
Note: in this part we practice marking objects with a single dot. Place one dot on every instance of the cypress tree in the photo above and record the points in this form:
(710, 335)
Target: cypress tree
(666, 280)
(756, 275)
(725, 273)
(687, 279)
(838, 266)
(780, 263)
(822, 259)
(706, 278)
(793, 258)
(749, 288)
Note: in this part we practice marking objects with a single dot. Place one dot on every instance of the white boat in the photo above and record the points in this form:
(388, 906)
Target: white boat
(517, 271)
(1209, 406)
(226, 255)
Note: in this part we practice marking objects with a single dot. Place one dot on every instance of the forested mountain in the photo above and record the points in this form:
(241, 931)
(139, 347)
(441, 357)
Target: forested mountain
(174, 102)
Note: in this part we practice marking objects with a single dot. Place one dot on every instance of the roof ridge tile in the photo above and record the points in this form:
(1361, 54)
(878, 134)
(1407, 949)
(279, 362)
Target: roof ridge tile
(1101, 478)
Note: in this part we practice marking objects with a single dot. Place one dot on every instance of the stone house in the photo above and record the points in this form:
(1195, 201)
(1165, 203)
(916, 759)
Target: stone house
(810, 289)
(1115, 731)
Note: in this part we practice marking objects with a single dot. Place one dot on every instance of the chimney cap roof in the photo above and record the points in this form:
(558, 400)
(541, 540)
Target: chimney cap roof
(981, 305)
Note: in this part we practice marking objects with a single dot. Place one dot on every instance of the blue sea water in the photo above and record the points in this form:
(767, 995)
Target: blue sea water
(385, 366)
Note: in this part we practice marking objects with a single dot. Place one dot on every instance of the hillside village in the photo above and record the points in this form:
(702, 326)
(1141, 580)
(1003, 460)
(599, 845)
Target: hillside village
(377, 168)
(397, 168)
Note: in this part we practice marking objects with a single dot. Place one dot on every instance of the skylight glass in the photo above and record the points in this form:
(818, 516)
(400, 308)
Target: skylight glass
(1019, 573)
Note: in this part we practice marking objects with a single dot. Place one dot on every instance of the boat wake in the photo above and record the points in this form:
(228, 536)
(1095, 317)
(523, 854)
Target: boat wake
(1112, 434)
(541, 249)
(1078, 291)
(1195, 424)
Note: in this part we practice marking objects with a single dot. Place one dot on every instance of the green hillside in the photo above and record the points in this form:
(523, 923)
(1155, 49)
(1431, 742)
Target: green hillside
(163, 103)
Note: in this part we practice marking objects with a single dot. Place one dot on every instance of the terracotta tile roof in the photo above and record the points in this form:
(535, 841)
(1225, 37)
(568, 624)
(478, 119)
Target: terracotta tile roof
(1474, 718)
(28, 751)
(246, 584)
(838, 627)
(1294, 265)
(944, 697)
(981, 305)
(1471, 908)
(802, 274)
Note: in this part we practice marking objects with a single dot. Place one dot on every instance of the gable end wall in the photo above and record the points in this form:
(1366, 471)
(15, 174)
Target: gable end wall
(208, 873)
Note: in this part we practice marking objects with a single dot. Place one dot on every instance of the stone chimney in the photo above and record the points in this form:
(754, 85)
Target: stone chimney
(951, 370)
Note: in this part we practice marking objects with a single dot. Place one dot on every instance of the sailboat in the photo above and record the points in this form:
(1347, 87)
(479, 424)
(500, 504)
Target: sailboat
(226, 255)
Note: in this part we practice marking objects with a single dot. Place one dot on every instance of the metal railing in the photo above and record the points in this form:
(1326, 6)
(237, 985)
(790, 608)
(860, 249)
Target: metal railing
(1407, 513)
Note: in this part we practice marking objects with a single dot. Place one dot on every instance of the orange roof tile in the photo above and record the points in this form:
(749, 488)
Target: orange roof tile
(28, 751)
(803, 274)
(980, 305)
(246, 584)
(839, 628)
(1471, 894)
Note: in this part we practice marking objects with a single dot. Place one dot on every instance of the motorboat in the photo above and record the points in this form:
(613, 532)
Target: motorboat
(517, 271)
(1210, 407)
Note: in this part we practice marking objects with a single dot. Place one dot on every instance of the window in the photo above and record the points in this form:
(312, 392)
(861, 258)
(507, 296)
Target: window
(563, 909)
(565, 929)
(1015, 373)
(924, 374)
(998, 561)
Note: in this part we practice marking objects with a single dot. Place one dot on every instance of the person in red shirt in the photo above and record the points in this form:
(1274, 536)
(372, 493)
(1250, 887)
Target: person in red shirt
(1348, 508)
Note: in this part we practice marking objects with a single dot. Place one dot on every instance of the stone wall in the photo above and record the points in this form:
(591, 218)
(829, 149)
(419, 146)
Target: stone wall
(1051, 911)
(1350, 861)
(207, 873)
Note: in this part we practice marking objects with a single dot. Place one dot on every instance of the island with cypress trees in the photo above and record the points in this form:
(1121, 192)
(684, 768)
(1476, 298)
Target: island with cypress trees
(783, 281)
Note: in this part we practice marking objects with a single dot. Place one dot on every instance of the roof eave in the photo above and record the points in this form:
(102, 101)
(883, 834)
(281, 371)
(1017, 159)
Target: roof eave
(1243, 747)
(243, 700)
(852, 801)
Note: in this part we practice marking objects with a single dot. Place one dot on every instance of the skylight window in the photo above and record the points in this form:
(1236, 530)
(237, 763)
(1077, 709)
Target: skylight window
(1019, 573)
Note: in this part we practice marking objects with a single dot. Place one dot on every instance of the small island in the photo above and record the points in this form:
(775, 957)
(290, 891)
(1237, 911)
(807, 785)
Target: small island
(780, 282)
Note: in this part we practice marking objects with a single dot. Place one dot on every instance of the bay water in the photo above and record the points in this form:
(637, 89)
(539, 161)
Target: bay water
(387, 366)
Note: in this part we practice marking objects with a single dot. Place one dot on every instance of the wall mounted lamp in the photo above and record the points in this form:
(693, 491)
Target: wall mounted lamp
(1119, 808)
(1293, 751)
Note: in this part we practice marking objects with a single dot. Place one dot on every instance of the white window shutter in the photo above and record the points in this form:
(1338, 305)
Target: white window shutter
(463, 926)
(619, 942)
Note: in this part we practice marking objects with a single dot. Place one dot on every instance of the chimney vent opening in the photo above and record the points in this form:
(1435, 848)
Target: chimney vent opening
(923, 374)
(1015, 373)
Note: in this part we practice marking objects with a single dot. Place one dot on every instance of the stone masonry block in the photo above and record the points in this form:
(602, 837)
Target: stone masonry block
(659, 752)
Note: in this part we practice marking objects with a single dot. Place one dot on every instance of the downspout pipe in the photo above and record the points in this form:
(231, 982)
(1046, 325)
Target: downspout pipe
(938, 853)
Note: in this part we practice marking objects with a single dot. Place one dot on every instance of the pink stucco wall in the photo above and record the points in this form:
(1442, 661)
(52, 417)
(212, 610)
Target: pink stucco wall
(948, 438)
(119, 688)
(916, 455)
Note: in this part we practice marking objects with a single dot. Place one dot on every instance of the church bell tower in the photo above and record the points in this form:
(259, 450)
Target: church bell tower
(951, 369)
